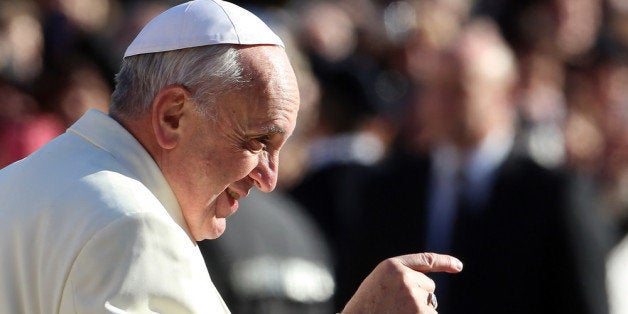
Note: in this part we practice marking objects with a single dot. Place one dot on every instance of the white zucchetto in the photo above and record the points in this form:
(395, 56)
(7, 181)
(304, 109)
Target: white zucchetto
(202, 23)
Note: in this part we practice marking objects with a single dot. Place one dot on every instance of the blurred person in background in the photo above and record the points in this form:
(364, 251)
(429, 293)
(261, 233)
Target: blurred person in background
(84, 89)
(21, 41)
(128, 21)
(273, 259)
(345, 44)
(597, 140)
(342, 149)
(33, 109)
(527, 233)
(81, 29)
(73, 90)
(576, 88)
(596, 127)
(23, 126)
(329, 34)
(571, 30)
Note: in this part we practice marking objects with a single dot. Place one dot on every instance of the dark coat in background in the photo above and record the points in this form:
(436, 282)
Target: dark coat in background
(536, 246)
(271, 259)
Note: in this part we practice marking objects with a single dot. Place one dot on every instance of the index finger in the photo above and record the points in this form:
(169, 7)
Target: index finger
(431, 262)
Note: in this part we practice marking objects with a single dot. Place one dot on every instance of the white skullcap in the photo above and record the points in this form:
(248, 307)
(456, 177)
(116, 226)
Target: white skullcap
(201, 23)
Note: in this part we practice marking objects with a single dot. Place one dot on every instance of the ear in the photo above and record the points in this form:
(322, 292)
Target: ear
(168, 110)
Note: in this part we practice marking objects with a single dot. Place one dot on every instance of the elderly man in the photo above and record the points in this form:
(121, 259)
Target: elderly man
(105, 218)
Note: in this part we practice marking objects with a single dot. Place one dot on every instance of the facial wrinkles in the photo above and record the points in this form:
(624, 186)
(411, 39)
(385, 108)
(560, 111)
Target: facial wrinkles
(210, 138)
(285, 106)
(240, 128)
(279, 82)
(277, 109)
(232, 127)
(275, 132)
(267, 108)
(287, 92)
(270, 139)
(272, 107)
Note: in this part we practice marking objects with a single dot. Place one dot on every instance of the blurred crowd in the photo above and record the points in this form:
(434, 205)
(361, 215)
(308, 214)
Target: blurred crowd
(378, 79)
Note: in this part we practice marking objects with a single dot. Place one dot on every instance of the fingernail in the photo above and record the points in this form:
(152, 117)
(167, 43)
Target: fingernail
(458, 265)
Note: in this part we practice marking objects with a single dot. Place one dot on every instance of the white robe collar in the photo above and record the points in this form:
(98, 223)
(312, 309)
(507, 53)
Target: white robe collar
(108, 135)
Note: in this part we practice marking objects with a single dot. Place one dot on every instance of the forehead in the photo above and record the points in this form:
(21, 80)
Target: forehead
(268, 70)
(270, 94)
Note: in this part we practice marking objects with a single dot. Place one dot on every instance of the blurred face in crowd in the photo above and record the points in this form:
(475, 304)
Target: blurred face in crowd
(453, 105)
(467, 96)
(221, 155)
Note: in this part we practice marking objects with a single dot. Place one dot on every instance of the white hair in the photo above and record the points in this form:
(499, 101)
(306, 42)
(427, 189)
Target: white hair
(205, 71)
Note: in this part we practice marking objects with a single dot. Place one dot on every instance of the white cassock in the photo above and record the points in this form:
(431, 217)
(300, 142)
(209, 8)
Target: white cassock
(88, 224)
(617, 278)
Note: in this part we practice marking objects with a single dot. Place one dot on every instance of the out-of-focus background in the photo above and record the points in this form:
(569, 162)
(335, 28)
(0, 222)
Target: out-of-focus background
(379, 80)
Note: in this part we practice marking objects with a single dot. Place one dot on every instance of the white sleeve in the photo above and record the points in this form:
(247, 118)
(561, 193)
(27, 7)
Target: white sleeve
(617, 278)
(141, 263)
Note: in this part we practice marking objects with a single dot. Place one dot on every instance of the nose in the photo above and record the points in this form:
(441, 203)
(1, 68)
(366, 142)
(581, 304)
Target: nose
(265, 173)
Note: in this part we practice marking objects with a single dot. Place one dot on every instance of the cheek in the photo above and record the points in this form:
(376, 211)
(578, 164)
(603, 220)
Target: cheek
(233, 167)
(222, 160)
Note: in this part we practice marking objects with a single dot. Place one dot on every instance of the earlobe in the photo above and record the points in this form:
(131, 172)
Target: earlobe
(168, 110)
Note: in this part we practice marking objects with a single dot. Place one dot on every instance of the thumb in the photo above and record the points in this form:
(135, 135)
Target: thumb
(431, 262)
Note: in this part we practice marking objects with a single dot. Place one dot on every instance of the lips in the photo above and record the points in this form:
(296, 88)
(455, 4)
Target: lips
(233, 194)
(232, 199)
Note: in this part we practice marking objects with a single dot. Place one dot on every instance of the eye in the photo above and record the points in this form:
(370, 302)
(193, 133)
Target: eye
(259, 143)
(265, 140)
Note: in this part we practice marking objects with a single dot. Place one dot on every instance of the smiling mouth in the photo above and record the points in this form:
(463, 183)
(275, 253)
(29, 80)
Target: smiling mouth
(233, 194)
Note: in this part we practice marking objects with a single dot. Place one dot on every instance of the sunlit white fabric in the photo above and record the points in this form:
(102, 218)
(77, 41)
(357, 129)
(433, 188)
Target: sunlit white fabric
(201, 23)
(88, 224)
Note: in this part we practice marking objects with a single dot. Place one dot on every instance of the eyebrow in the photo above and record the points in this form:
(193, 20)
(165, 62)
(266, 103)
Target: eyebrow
(273, 129)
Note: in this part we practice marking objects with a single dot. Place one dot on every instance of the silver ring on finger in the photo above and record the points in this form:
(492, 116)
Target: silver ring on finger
(431, 300)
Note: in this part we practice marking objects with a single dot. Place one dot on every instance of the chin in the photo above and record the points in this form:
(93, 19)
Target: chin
(215, 230)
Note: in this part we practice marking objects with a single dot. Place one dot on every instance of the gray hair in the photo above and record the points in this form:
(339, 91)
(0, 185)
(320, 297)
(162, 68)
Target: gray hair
(206, 71)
